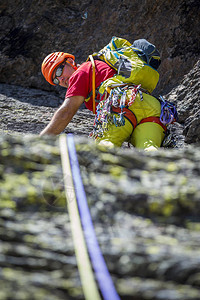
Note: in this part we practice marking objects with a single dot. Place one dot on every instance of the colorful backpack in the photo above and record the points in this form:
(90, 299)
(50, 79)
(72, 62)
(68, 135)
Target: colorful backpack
(135, 63)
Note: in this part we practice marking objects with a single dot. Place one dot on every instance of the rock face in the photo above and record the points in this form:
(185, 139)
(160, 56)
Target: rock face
(187, 97)
(145, 209)
(30, 110)
(32, 29)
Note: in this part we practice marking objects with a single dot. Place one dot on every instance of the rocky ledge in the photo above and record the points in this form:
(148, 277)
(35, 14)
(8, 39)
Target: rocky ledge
(145, 208)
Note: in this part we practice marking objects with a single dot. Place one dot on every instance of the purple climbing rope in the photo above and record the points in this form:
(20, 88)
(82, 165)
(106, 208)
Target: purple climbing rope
(103, 277)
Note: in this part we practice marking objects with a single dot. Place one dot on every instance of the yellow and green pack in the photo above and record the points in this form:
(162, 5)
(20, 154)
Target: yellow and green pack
(135, 63)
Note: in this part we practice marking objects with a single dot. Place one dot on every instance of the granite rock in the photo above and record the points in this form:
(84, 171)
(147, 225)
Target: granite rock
(30, 30)
(145, 209)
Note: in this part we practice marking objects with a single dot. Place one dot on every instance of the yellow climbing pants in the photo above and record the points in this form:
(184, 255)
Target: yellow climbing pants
(147, 136)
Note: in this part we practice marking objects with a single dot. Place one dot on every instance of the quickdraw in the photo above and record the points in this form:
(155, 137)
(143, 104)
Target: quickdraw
(134, 92)
(117, 98)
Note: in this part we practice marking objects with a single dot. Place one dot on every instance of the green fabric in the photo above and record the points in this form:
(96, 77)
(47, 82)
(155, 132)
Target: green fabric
(146, 135)
(131, 68)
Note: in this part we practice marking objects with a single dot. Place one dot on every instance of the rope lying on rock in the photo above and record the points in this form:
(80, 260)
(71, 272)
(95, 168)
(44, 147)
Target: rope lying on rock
(82, 228)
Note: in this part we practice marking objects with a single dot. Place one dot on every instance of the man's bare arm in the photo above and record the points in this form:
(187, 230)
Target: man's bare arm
(63, 115)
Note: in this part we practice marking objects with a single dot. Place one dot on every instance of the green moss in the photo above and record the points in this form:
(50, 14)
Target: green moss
(183, 180)
(7, 204)
(153, 250)
(171, 167)
(186, 196)
(166, 240)
(195, 226)
(168, 209)
(28, 238)
(154, 207)
(8, 273)
(116, 171)
(5, 152)
(109, 158)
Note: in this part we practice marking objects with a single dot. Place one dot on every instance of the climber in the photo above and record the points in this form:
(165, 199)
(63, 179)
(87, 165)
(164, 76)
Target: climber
(60, 69)
(142, 127)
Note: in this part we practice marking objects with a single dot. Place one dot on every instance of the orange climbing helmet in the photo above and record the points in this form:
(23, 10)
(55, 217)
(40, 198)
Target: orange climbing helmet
(52, 61)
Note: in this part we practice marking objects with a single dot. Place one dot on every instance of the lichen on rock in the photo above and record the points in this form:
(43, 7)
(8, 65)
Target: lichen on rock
(145, 209)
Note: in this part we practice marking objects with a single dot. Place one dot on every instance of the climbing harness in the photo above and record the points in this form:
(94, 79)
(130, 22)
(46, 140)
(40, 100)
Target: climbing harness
(82, 229)
(127, 114)
(154, 120)
(114, 109)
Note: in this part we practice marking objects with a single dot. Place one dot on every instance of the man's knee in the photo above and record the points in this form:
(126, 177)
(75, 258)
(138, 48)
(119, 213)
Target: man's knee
(148, 136)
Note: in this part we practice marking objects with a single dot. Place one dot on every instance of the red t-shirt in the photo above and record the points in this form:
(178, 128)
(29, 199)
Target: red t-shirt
(80, 83)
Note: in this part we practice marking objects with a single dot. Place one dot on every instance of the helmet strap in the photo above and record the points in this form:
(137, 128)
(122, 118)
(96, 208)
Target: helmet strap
(73, 65)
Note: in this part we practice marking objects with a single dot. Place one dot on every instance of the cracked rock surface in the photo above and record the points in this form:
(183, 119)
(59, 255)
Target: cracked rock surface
(145, 209)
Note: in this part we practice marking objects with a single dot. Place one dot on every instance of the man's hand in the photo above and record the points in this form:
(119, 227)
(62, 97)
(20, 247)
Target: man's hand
(63, 115)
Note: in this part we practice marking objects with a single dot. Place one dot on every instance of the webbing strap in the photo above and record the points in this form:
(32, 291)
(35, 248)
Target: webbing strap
(82, 211)
(154, 120)
(90, 288)
(93, 84)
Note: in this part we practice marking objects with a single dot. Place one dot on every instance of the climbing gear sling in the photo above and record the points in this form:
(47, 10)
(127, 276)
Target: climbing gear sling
(169, 113)
(93, 84)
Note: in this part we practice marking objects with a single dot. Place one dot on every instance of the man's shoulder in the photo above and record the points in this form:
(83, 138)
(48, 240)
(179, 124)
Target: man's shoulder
(84, 67)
